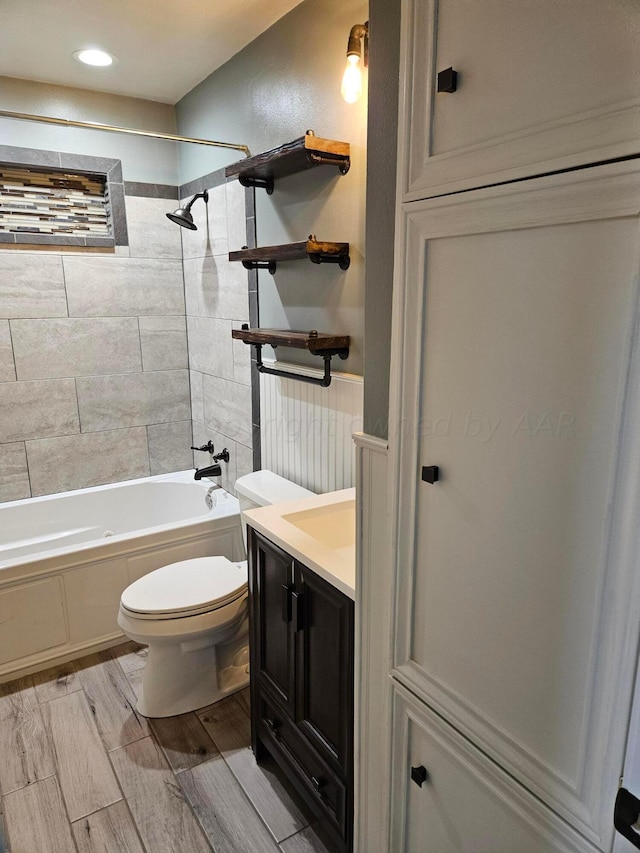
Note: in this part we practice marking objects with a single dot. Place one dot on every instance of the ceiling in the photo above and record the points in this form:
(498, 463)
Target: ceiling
(164, 47)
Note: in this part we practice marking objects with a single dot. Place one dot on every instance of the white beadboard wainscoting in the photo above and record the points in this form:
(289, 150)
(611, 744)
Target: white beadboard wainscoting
(307, 430)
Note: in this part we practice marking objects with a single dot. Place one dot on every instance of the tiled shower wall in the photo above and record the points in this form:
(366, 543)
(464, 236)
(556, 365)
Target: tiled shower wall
(94, 380)
(217, 300)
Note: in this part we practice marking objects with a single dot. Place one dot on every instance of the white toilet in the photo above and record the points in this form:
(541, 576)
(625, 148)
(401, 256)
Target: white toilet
(193, 615)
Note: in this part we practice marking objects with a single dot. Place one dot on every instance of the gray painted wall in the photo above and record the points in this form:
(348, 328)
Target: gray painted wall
(286, 81)
(384, 56)
(143, 160)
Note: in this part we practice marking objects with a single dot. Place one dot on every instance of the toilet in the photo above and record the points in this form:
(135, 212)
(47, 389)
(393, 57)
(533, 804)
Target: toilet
(193, 616)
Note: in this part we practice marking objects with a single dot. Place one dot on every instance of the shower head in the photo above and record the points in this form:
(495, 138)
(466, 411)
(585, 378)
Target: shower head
(182, 216)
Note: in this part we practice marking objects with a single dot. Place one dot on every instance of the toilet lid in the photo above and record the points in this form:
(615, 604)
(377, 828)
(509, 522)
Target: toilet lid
(191, 586)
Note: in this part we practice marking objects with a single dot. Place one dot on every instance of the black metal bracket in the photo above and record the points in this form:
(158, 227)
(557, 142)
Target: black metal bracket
(324, 381)
(260, 265)
(344, 164)
(261, 183)
(344, 261)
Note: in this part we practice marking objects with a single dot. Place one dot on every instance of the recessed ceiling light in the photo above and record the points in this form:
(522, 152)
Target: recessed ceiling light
(93, 56)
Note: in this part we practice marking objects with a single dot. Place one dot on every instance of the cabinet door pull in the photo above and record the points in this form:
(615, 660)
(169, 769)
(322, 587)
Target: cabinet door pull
(287, 589)
(447, 80)
(319, 783)
(297, 601)
(430, 473)
(626, 816)
(419, 775)
(273, 726)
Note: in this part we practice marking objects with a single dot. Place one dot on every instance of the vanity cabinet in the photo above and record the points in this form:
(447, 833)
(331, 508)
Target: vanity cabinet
(302, 655)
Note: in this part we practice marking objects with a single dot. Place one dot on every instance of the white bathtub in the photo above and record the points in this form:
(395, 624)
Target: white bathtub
(65, 560)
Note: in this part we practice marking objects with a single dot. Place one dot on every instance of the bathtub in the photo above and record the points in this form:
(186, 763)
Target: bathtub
(65, 560)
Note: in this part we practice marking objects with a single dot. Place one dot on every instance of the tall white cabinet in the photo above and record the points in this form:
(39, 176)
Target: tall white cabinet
(515, 426)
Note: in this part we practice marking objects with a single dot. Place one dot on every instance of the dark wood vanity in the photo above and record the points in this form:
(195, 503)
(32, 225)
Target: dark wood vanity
(302, 664)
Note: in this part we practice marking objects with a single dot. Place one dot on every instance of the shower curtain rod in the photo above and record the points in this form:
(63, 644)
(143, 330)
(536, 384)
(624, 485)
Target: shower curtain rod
(93, 125)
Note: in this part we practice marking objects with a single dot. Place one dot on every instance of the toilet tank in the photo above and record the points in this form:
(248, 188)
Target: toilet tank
(263, 488)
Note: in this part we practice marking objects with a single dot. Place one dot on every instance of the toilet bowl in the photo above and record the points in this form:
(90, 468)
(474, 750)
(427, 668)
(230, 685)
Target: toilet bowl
(193, 616)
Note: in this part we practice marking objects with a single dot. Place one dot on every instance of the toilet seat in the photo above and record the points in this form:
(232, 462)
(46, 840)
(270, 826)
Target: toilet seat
(187, 588)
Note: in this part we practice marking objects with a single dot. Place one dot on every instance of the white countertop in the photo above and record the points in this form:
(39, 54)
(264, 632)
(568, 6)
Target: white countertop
(331, 552)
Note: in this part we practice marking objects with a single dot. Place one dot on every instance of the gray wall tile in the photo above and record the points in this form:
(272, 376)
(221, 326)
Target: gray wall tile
(37, 409)
(46, 349)
(227, 408)
(204, 182)
(7, 369)
(236, 216)
(197, 401)
(210, 346)
(88, 163)
(170, 447)
(14, 476)
(151, 234)
(80, 461)
(241, 358)
(215, 287)
(244, 459)
(164, 342)
(114, 175)
(118, 214)
(211, 222)
(31, 285)
(30, 156)
(145, 190)
(102, 286)
(112, 402)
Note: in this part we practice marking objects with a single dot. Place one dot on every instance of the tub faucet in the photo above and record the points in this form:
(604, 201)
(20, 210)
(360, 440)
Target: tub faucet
(209, 471)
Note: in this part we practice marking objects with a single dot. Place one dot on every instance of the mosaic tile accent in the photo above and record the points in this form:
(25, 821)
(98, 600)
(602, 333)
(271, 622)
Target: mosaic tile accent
(37, 201)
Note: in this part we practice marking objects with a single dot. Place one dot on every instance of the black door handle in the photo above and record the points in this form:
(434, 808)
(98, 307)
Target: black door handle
(287, 589)
(626, 814)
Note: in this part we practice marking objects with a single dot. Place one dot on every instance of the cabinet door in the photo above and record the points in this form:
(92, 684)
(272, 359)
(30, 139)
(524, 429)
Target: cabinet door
(324, 660)
(518, 570)
(272, 641)
(459, 801)
(542, 85)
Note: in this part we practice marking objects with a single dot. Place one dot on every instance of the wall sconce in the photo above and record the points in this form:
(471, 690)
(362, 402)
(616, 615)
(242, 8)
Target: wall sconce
(357, 58)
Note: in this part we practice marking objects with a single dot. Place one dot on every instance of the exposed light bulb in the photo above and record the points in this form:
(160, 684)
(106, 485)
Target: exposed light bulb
(352, 79)
(93, 56)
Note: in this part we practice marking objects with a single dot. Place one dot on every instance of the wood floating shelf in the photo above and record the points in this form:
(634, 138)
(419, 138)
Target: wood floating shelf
(314, 342)
(265, 257)
(307, 152)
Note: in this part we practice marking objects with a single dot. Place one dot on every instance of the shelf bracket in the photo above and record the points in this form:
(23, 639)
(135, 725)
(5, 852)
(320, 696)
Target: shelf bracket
(261, 183)
(324, 381)
(343, 164)
(260, 265)
(319, 258)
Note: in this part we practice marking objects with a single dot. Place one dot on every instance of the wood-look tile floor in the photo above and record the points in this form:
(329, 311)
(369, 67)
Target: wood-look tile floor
(81, 771)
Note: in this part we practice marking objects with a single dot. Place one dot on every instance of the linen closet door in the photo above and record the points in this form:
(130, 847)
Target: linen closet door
(518, 597)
